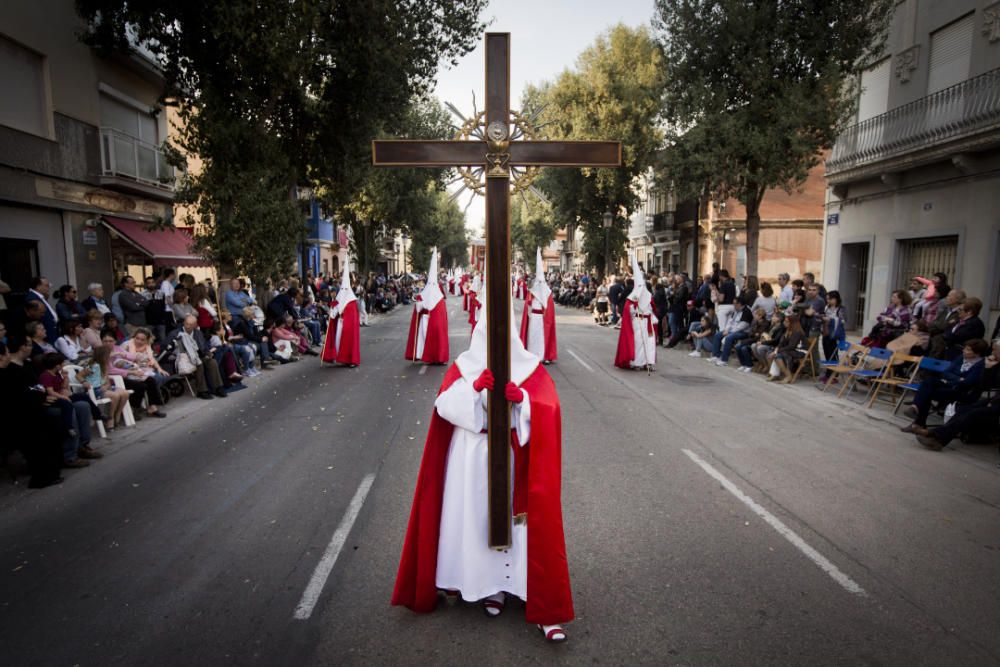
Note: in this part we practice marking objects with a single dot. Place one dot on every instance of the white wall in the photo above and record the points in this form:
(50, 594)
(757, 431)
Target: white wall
(44, 226)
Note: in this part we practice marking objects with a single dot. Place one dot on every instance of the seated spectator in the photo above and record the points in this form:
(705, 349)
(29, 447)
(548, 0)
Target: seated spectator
(92, 332)
(96, 299)
(744, 349)
(736, 328)
(181, 306)
(285, 330)
(27, 426)
(237, 299)
(309, 316)
(892, 322)
(787, 352)
(948, 344)
(140, 347)
(113, 325)
(95, 375)
(197, 359)
(246, 327)
(67, 307)
(72, 344)
(701, 337)
(958, 384)
(767, 342)
(914, 342)
(973, 422)
(242, 347)
(142, 380)
(53, 377)
(283, 304)
(35, 331)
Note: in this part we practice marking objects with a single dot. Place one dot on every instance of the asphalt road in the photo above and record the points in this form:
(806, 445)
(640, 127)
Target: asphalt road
(711, 519)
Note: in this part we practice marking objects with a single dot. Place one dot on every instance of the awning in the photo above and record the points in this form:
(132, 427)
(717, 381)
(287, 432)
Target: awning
(166, 247)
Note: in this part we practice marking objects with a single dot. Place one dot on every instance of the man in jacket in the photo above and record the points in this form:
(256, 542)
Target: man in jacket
(208, 379)
(616, 294)
(39, 291)
(133, 305)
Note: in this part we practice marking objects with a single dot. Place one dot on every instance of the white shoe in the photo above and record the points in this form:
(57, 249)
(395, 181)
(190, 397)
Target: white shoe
(720, 362)
(696, 353)
(746, 369)
(553, 633)
(712, 359)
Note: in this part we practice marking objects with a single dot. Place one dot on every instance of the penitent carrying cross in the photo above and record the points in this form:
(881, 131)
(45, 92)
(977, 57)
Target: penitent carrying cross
(495, 154)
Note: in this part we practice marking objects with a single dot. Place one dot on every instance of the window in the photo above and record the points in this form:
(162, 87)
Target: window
(951, 48)
(925, 257)
(874, 91)
(128, 119)
(22, 79)
(18, 262)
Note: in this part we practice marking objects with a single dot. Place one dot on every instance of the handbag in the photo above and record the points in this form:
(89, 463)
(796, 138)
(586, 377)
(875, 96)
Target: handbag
(184, 364)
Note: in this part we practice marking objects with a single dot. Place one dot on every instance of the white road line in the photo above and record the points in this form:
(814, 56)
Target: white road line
(423, 369)
(322, 572)
(577, 357)
(849, 584)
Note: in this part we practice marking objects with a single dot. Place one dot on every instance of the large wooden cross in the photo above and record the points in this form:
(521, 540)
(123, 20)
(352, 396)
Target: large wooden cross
(496, 155)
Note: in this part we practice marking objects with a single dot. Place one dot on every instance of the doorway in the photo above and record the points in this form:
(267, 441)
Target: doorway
(854, 282)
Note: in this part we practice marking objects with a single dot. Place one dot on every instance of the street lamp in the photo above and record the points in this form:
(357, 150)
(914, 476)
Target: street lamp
(608, 219)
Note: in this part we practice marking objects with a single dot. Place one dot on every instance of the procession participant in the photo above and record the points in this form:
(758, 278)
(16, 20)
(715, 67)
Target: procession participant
(538, 321)
(427, 339)
(520, 286)
(343, 329)
(446, 546)
(475, 299)
(465, 285)
(637, 340)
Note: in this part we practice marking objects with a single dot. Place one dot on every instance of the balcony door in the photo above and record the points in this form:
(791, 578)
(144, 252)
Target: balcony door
(950, 62)
(131, 145)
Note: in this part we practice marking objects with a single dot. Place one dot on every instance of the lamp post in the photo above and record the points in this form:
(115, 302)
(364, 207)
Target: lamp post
(608, 219)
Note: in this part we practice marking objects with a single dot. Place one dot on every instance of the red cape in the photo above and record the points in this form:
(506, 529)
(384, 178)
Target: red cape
(536, 493)
(350, 337)
(549, 324)
(436, 344)
(626, 339)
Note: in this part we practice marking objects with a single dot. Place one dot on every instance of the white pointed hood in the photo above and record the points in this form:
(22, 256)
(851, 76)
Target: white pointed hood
(431, 295)
(345, 294)
(476, 286)
(472, 362)
(640, 293)
(539, 288)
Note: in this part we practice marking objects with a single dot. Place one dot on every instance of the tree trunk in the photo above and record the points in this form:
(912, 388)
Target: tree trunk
(753, 229)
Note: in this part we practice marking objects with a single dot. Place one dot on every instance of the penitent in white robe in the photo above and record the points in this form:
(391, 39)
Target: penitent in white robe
(422, 323)
(536, 334)
(645, 342)
(465, 562)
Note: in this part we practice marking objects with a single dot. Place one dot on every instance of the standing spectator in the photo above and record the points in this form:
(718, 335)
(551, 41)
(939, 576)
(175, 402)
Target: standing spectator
(181, 306)
(786, 293)
(677, 310)
(808, 280)
(39, 291)
(96, 299)
(750, 291)
(116, 304)
(703, 297)
(616, 295)
(133, 304)
(602, 305)
(167, 287)
(207, 315)
(765, 300)
(156, 309)
(834, 331)
(67, 307)
(660, 307)
(727, 297)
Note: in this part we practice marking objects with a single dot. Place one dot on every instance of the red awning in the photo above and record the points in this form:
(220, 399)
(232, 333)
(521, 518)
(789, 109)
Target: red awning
(166, 247)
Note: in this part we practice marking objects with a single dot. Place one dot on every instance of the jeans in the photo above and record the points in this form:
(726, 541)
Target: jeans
(975, 419)
(744, 351)
(81, 422)
(245, 354)
(313, 326)
(703, 344)
(722, 346)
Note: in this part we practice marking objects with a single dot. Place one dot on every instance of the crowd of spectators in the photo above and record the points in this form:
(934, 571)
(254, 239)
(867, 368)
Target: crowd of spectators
(776, 329)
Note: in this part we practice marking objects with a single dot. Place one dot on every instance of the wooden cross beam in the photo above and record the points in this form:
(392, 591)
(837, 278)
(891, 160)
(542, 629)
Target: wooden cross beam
(497, 155)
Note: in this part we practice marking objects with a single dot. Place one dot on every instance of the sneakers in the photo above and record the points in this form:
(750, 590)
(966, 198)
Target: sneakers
(745, 369)
(712, 359)
(720, 362)
(696, 353)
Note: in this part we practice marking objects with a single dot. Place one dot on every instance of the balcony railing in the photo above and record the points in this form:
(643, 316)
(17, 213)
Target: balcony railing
(123, 156)
(964, 109)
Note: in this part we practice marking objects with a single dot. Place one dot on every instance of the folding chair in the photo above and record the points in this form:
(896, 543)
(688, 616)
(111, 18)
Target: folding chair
(861, 373)
(852, 357)
(926, 364)
(892, 381)
(78, 386)
(807, 359)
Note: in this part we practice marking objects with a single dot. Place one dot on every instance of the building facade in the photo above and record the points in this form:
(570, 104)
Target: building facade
(80, 158)
(325, 248)
(915, 181)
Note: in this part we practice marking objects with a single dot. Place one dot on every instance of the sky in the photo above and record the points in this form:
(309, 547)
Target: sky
(546, 37)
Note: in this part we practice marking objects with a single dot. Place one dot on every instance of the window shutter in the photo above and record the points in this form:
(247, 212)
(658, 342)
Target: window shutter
(874, 91)
(950, 57)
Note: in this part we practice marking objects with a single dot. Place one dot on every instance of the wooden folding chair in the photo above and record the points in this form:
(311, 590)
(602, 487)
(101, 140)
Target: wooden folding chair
(926, 364)
(807, 358)
(891, 381)
(862, 373)
(852, 357)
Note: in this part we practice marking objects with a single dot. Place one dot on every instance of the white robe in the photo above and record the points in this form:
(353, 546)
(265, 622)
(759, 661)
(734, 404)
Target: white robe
(422, 323)
(465, 561)
(536, 334)
(645, 342)
(340, 330)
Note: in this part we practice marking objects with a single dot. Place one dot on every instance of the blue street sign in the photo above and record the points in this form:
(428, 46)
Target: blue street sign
(833, 219)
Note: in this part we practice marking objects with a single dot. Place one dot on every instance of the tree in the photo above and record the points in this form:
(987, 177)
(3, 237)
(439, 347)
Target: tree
(756, 91)
(532, 225)
(278, 94)
(445, 230)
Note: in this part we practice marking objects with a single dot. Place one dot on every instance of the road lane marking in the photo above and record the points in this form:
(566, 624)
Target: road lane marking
(577, 357)
(423, 369)
(325, 566)
(816, 557)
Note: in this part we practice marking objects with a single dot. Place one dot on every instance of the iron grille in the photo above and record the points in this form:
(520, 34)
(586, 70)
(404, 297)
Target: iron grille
(925, 257)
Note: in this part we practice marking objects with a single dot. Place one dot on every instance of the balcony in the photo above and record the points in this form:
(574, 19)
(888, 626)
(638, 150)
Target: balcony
(134, 165)
(939, 126)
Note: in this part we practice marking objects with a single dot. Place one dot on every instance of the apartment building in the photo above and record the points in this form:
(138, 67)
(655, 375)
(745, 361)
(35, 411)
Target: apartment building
(914, 183)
